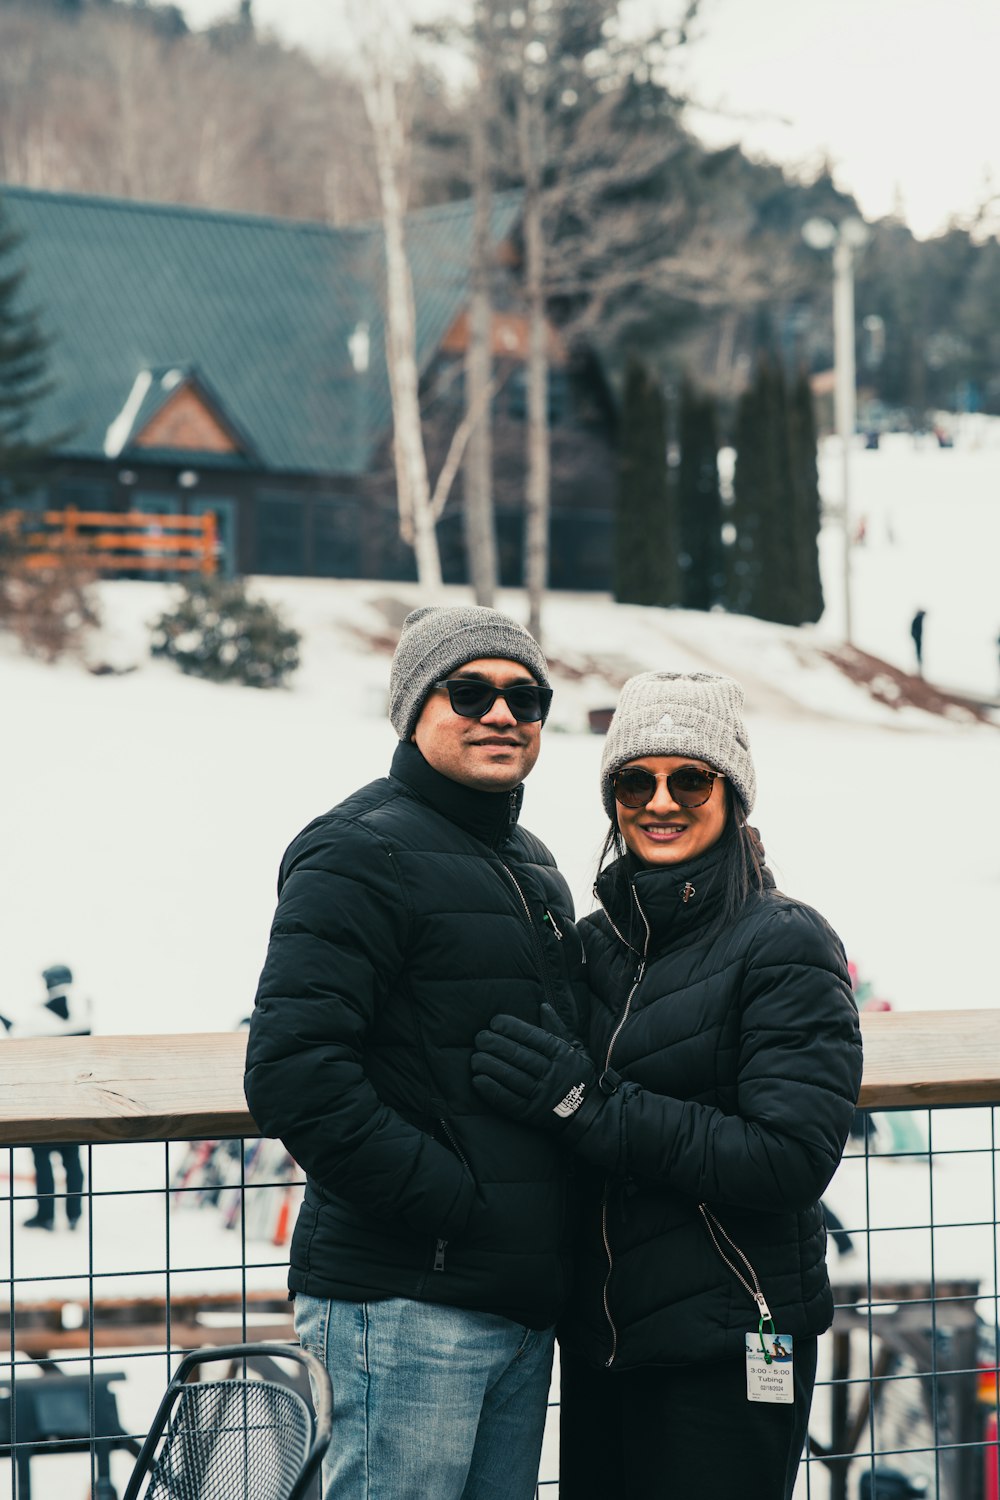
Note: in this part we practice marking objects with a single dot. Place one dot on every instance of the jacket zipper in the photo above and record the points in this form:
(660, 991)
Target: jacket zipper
(441, 1246)
(751, 1287)
(539, 950)
(607, 1063)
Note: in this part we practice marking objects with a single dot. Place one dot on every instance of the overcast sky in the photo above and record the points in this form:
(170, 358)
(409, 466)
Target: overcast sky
(899, 94)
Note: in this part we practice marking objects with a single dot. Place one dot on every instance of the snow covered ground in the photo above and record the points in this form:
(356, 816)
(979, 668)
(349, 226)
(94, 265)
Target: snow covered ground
(932, 517)
(146, 812)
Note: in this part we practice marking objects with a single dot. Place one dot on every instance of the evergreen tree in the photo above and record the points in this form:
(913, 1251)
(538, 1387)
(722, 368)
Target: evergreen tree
(782, 542)
(775, 566)
(646, 565)
(807, 499)
(699, 501)
(751, 486)
(23, 382)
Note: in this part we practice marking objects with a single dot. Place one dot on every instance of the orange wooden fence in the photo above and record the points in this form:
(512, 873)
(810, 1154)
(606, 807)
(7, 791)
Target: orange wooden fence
(114, 542)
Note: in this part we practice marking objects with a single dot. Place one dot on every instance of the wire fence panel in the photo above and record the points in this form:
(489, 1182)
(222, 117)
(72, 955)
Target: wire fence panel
(907, 1396)
(179, 1246)
(171, 1244)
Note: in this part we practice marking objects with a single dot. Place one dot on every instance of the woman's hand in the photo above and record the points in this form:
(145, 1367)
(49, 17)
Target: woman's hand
(538, 1076)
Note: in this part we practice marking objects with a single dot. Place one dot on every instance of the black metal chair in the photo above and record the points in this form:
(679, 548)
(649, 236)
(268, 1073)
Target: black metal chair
(239, 1438)
(59, 1413)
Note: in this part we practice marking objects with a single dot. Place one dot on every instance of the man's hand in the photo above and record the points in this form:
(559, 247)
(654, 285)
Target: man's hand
(531, 1074)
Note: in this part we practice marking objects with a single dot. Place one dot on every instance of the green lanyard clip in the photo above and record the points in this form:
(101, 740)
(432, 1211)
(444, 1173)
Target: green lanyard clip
(765, 1317)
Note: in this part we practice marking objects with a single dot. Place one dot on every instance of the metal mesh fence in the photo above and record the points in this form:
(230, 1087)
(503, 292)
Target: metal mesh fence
(907, 1396)
(182, 1245)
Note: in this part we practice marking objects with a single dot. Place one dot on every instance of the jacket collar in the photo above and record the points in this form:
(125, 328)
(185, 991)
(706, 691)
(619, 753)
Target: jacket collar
(488, 816)
(677, 902)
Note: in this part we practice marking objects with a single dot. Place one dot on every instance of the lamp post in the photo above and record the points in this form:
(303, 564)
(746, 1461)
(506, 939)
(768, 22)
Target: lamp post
(844, 239)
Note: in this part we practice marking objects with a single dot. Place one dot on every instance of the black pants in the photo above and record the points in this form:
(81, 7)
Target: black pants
(45, 1184)
(687, 1433)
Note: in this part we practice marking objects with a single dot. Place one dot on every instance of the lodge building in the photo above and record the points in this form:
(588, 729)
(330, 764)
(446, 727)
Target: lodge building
(205, 361)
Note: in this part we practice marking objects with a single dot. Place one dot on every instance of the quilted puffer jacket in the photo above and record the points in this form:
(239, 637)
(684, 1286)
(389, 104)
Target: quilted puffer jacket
(407, 917)
(732, 1063)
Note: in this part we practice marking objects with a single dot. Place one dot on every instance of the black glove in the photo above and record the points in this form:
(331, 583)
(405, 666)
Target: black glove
(531, 1074)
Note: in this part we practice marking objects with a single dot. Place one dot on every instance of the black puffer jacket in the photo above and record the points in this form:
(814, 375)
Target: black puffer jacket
(739, 1056)
(408, 917)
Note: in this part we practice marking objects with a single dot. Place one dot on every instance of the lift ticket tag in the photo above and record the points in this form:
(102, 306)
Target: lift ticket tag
(769, 1381)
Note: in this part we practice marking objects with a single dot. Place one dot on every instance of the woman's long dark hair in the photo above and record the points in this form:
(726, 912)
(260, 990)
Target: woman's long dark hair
(743, 864)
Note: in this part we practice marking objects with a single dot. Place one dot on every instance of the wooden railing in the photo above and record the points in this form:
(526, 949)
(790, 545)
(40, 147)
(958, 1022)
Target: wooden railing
(190, 1087)
(123, 1088)
(115, 541)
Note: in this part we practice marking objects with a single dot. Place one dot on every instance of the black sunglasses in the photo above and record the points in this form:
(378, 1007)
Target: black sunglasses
(528, 702)
(689, 786)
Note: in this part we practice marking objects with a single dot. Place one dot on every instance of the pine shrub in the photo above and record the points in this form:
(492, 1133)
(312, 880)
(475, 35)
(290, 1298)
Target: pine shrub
(218, 632)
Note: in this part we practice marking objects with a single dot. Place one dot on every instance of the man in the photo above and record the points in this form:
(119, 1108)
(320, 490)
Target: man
(55, 1015)
(429, 1261)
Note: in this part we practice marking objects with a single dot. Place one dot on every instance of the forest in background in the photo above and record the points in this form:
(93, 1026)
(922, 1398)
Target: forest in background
(688, 258)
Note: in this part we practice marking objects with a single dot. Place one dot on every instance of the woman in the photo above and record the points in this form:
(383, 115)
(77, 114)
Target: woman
(708, 1108)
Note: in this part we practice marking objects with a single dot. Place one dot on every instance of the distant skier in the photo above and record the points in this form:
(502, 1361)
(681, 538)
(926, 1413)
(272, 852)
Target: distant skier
(57, 1014)
(917, 632)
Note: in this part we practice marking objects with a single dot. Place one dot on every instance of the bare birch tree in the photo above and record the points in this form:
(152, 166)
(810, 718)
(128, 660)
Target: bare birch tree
(480, 532)
(379, 43)
(385, 44)
(531, 122)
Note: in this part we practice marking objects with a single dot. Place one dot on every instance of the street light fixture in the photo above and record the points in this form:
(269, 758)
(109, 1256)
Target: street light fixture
(844, 240)
(359, 348)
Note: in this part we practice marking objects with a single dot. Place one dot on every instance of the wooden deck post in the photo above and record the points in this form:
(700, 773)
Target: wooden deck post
(71, 528)
(209, 543)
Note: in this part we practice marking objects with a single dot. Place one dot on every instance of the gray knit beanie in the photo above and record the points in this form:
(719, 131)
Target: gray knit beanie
(435, 640)
(680, 713)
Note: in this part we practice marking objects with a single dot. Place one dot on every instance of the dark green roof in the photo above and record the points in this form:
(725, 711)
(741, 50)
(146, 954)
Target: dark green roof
(260, 310)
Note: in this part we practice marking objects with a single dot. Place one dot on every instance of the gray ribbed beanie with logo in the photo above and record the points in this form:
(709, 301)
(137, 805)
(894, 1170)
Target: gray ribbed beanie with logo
(680, 713)
(436, 639)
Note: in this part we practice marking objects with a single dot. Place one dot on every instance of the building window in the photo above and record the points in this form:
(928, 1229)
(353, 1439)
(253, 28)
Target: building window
(337, 536)
(84, 496)
(281, 535)
(517, 396)
(35, 500)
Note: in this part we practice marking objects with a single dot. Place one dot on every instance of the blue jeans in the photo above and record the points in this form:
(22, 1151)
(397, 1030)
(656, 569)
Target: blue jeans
(429, 1402)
